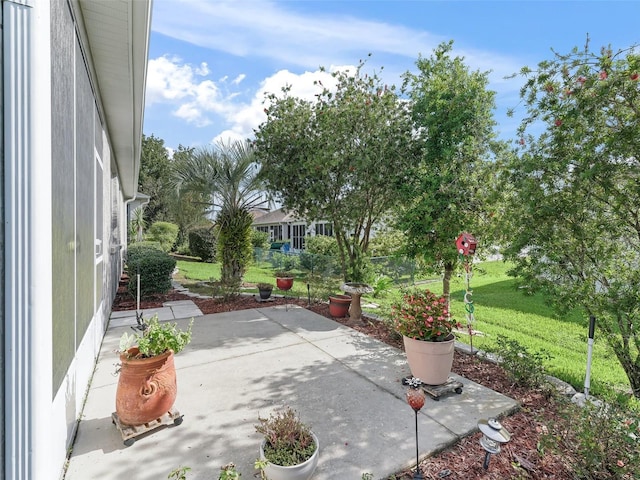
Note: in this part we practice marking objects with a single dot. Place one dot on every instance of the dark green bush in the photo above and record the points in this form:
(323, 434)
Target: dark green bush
(202, 243)
(164, 233)
(155, 268)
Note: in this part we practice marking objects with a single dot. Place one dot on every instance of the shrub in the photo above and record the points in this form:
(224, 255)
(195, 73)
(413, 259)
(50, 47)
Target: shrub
(260, 239)
(603, 439)
(523, 367)
(155, 268)
(164, 233)
(202, 243)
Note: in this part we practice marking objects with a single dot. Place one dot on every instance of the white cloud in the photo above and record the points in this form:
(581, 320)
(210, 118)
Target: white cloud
(238, 79)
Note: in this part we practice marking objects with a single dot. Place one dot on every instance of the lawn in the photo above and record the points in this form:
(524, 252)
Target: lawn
(500, 309)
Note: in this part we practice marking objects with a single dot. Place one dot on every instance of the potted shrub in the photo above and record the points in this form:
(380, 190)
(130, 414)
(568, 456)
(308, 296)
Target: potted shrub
(339, 305)
(264, 289)
(284, 280)
(423, 320)
(289, 449)
(147, 384)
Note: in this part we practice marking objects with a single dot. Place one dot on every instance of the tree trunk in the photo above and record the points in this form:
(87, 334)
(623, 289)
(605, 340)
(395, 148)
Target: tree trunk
(446, 280)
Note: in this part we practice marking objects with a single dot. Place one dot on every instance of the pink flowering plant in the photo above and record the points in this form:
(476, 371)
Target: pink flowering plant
(423, 315)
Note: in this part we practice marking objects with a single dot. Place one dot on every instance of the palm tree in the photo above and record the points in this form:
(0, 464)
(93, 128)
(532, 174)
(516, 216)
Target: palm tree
(228, 174)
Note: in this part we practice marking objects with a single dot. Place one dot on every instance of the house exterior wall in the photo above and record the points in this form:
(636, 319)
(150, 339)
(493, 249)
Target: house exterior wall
(63, 211)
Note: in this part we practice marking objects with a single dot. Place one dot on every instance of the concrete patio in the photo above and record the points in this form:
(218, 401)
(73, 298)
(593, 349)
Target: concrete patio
(242, 364)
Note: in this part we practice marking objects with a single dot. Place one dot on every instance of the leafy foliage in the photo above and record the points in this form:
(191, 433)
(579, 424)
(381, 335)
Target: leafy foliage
(288, 440)
(335, 158)
(603, 439)
(423, 315)
(572, 205)
(228, 175)
(452, 110)
(157, 338)
(164, 233)
(153, 265)
(524, 367)
(202, 243)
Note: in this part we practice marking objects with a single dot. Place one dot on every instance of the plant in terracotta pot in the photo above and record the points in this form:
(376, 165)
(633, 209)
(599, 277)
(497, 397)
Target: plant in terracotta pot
(284, 280)
(265, 289)
(147, 384)
(423, 320)
(289, 449)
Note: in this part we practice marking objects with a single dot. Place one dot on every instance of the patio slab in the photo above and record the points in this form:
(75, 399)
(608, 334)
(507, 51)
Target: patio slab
(242, 364)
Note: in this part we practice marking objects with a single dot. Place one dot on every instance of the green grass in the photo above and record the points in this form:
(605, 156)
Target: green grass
(500, 309)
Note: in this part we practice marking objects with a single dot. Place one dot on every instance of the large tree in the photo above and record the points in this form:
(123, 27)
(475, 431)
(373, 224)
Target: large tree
(228, 175)
(575, 196)
(452, 110)
(155, 179)
(335, 158)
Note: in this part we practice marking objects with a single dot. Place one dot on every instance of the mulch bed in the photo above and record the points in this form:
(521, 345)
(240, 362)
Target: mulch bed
(520, 458)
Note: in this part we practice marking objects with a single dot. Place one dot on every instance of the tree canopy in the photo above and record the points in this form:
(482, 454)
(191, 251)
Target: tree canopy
(339, 157)
(574, 200)
(452, 110)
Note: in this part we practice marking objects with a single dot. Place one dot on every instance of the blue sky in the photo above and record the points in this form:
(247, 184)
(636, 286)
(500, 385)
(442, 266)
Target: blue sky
(211, 61)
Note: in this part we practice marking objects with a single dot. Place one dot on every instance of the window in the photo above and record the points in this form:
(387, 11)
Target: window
(324, 229)
(297, 237)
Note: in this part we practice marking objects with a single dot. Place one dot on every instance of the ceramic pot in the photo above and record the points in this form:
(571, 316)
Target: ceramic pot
(431, 362)
(147, 387)
(264, 294)
(284, 283)
(304, 471)
(339, 305)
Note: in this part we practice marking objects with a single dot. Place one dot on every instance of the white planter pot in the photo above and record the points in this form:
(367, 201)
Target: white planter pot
(431, 362)
(295, 472)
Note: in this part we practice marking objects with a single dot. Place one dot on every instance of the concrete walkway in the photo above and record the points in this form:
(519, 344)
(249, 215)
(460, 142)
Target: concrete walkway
(242, 364)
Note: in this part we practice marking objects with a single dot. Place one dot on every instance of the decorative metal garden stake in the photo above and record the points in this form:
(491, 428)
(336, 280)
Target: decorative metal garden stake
(466, 245)
(493, 434)
(415, 399)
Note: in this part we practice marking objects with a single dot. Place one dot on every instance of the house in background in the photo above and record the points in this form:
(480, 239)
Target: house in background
(73, 85)
(285, 227)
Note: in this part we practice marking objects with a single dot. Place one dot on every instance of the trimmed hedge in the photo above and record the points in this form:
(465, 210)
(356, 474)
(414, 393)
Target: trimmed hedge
(155, 268)
(202, 243)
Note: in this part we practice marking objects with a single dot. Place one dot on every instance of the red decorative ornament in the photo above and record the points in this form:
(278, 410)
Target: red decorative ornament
(466, 244)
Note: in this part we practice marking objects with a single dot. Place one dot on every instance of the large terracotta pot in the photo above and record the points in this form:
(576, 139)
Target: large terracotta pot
(304, 471)
(147, 387)
(339, 305)
(430, 361)
(284, 283)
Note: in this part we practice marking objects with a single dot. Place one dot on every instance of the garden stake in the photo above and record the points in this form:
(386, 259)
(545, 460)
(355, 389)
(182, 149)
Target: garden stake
(587, 378)
(466, 245)
(415, 398)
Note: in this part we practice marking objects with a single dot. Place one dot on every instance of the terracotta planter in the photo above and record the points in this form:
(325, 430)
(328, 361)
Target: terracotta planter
(147, 387)
(339, 305)
(430, 361)
(304, 471)
(284, 283)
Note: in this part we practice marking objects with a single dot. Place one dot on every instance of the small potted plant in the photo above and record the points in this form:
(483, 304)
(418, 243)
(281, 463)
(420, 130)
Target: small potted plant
(423, 320)
(289, 449)
(147, 384)
(264, 289)
(284, 280)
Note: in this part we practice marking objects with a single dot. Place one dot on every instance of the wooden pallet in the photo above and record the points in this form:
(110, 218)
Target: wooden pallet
(437, 391)
(131, 432)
